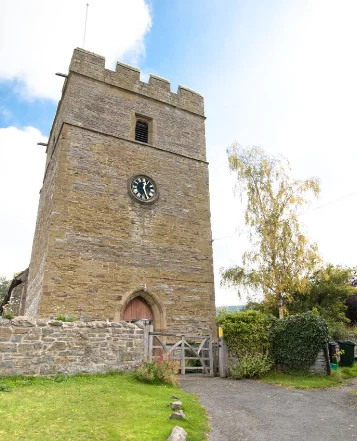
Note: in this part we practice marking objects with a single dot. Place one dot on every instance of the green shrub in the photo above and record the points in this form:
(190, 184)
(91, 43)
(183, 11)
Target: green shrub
(8, 315)
(297, 339)
(8, 312)
(4, 388)
(250, 366)
(246, 332)
(65, 318)
(336, 330)
(59, 378)
(161, 370)
(248, 335)
(341, 331)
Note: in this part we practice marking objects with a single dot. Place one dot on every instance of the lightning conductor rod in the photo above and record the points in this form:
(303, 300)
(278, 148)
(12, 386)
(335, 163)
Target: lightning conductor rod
(85, 25)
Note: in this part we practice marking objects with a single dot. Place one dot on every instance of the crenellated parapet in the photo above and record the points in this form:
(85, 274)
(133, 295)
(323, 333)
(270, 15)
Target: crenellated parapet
(128, 77)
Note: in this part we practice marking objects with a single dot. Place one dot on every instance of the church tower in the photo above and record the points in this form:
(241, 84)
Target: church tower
(123, 228)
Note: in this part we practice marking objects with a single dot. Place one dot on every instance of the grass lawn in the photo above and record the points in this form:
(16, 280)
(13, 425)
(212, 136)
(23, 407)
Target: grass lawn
(113, 407)
(305, 381)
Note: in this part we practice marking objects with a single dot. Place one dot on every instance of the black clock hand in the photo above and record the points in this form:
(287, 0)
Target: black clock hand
(144, 188)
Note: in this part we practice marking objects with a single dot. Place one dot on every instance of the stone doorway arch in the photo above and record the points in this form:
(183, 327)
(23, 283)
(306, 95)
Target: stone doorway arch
(138, 309)
(157, 310)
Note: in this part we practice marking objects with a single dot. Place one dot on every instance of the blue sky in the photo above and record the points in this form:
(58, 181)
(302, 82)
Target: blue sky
(280, 74)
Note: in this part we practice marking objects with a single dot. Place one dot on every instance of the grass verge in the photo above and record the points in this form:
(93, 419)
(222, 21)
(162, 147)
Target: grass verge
(93, 408)
(305, 381)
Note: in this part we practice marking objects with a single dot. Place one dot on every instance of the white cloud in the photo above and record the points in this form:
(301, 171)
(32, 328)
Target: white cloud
(38, 38)
(22, 167)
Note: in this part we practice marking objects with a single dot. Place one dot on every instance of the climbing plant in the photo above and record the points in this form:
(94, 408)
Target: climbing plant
(297, 339)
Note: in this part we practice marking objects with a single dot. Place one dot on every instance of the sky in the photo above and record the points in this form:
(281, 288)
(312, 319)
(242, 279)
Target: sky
(279, 74)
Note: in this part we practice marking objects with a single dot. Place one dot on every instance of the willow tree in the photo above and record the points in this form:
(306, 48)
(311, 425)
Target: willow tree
(280, 257)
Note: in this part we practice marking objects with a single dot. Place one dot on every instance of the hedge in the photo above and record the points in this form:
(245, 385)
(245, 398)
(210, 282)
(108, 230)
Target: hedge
(248, 331)
(248, 336)
(297, 339)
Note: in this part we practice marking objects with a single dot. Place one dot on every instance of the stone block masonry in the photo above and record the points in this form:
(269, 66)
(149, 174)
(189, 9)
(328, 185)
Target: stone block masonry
(96, 248)
(46, 347)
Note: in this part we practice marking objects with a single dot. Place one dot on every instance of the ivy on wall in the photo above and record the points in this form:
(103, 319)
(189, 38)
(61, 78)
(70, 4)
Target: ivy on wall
(297, 339)
(259, 340)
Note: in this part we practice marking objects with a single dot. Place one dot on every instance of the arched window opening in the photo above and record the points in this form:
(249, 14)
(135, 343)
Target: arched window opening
(141, 131)
(138, 309)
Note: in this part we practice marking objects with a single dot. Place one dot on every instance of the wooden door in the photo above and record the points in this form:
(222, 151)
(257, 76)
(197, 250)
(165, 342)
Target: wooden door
(138, 309)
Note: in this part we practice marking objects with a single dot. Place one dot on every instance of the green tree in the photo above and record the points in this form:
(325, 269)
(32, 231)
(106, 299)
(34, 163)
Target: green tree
(326, 293)
(4, 286)
(280, 258)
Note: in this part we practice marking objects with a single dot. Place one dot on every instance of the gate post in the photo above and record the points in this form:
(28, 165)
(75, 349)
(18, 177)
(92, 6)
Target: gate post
(183, 361)
(150, 342)
(211, 355)
(222, 357)
(146, 340)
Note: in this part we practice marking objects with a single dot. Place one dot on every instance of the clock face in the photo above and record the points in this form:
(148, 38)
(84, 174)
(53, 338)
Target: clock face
(143, 188)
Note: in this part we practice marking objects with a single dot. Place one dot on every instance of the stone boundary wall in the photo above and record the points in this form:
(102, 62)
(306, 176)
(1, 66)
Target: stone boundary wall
(45, 347)
(322, 363)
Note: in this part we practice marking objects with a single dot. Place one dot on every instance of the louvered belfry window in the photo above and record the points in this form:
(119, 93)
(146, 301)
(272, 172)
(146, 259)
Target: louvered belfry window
(141, 131)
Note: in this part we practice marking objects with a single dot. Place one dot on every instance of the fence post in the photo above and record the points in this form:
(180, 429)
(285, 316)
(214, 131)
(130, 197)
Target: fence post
(150, 339)
(222, 357)
(211, 355)
(183, 362)
(146, 340)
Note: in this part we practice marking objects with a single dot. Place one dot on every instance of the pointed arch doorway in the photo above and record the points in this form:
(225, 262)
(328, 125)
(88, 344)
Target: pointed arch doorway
(142, 304)
(138, 309)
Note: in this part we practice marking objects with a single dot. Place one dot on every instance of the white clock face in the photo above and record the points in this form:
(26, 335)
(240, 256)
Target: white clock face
(143, 188)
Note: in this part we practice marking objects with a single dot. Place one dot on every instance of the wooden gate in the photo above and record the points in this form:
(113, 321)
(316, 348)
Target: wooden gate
(194, 352)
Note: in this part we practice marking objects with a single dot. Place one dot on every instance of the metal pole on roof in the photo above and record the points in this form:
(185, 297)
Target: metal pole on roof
(85, 25)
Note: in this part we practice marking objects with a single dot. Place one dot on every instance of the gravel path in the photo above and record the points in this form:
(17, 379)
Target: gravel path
(247, 410)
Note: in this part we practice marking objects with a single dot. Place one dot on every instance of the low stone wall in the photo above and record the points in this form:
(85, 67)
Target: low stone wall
(44, 347)
(322, 363)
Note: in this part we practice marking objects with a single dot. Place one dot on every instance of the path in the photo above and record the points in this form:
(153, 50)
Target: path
(247, 410)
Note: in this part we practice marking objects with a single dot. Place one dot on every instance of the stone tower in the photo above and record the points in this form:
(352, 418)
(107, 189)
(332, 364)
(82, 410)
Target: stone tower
(123, 227)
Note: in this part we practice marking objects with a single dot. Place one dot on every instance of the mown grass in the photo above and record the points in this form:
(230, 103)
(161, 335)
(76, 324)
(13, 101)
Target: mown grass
(305, 381)
(94, 408)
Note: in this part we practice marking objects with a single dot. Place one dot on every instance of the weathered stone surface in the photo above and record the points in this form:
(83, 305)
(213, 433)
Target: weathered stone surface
(44, 350)
(177, 434)
(5, 333)
(176, 405)
(55, 323)
(320, 366)
(7, 348)
(95, 247)
(178, 415)
(23, 321)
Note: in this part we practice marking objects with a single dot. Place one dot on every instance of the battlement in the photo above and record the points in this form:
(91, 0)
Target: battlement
(128, 77)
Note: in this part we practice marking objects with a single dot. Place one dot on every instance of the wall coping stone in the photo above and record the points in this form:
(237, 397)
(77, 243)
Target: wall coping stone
(31, 322)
